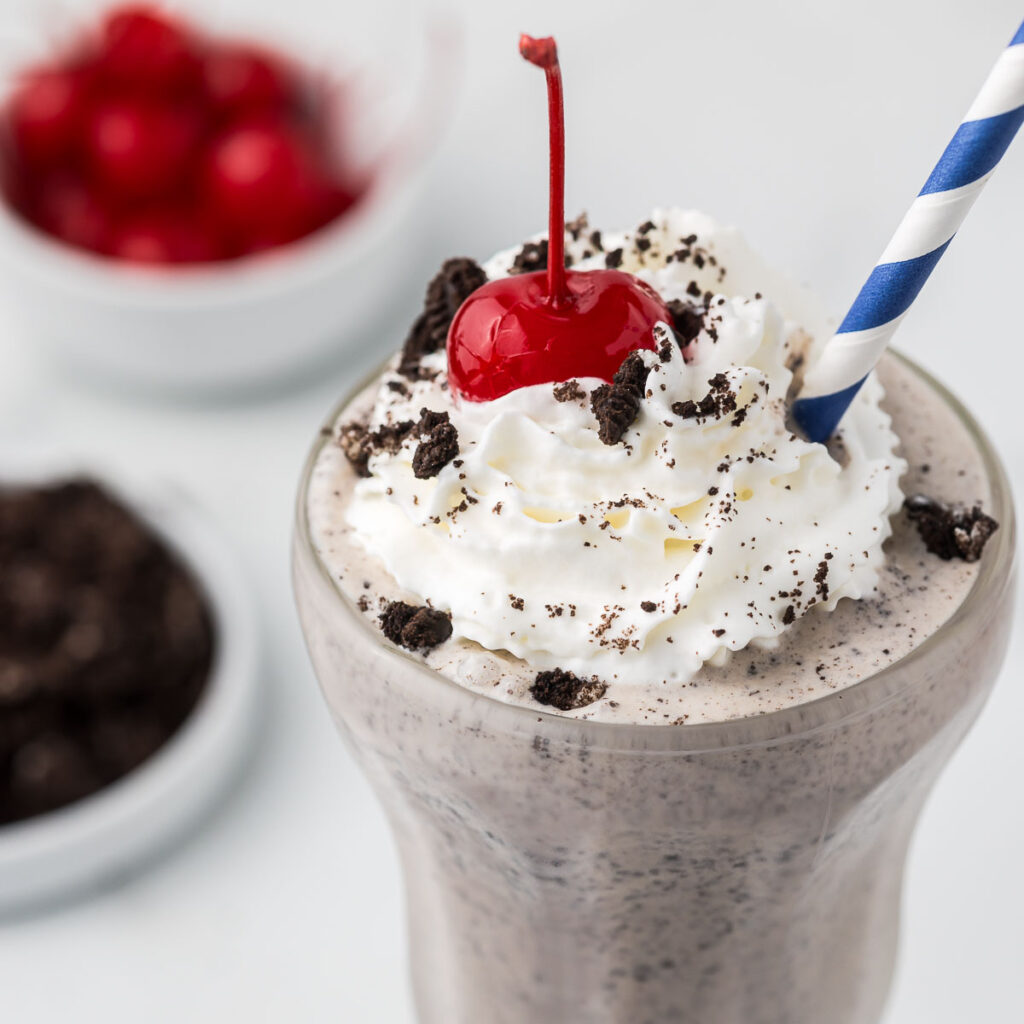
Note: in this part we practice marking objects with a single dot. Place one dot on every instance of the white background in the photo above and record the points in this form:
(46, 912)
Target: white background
(811, 124)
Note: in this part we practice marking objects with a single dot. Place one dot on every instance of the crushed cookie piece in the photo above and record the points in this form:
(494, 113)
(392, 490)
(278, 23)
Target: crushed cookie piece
(565, 691)
(820, 577)
(648, 606)
(613, 259)
(354, 441)
(575, 228)
(439, 446)
(533, 256)
(665, 340)
(457, 279)
(718, 402)
(687, 320)
(569, 391)
(390, 437)
(359, 444)
(615, 407)
(415, 628)
(950, 531)
(632, 373)
(429, 420)
(789, 615)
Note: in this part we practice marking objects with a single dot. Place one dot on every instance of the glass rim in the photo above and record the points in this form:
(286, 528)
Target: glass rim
(996, 570)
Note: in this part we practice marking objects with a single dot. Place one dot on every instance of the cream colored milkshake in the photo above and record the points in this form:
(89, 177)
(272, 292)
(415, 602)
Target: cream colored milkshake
(740, 863)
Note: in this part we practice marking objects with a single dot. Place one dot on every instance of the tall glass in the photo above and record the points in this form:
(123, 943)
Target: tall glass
(744, 872)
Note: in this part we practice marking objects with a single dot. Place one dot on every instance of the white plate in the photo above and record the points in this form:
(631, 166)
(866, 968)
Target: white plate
(111, 833)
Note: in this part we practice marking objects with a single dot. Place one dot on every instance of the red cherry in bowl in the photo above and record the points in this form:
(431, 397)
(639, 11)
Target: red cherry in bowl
(67, 208)
(539, 328)
(240, 79)
(166, 237)
(508, 336)
(46, 113)
(140, 148)
(143, 47)
(264, 175)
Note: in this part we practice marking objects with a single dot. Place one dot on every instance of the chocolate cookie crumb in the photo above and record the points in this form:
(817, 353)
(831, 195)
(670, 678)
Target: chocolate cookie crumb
(429, 420)
(718, 402)
(389, 438)
(950, 531)
(666, 340)
(359, 444)
(354, 441)
(575, 228)
(533, 257)
(648, 606)
(613, 259)
(687, 320)
(632, 373)
(789, 615)
(820, 576)
(565, 691)
(439, 446)
(456, 280)
(569, 391)
(615, 407)
(415, 628)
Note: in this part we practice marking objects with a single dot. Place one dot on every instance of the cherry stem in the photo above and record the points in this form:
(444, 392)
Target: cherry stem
(544, 53)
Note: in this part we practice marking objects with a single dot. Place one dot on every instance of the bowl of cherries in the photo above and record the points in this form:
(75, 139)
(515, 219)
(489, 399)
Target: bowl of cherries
(188, 210)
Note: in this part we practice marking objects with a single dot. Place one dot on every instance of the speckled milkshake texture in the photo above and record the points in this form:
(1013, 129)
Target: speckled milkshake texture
(740, 872)
(819, 653)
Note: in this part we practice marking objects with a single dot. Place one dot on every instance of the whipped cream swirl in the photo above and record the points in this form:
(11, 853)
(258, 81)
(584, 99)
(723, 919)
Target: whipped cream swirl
(709, 527)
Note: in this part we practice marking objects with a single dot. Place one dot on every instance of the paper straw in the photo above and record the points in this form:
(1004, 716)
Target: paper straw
(923, 236)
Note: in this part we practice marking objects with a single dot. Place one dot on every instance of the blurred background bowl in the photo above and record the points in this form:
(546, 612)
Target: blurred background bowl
(110, 834)
(258, 321)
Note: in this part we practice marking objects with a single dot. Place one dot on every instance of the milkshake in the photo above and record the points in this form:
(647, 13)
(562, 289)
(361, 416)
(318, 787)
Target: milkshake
(651, 688)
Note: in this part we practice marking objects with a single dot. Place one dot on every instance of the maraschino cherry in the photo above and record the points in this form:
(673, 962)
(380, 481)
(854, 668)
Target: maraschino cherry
(549, 326)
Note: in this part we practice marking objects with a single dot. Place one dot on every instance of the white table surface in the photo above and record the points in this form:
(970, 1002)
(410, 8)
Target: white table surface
(810, 124)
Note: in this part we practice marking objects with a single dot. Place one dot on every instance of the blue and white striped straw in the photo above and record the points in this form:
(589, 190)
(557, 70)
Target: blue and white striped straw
(920, 240)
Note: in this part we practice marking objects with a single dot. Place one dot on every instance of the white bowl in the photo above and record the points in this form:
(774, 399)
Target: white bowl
(260, 320)
(108, 835)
